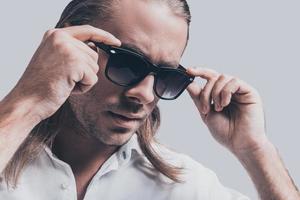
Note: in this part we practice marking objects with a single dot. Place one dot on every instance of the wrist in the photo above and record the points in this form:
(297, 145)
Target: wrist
(267, 172)
(259, 148)
(19, 110)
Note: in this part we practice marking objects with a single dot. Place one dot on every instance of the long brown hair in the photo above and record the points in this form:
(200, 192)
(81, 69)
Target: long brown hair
(79, 12)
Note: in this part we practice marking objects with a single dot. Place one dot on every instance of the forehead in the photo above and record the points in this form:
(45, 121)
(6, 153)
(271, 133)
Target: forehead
(151, 27)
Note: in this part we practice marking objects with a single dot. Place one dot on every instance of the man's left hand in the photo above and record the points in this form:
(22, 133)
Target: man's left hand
(231, 109)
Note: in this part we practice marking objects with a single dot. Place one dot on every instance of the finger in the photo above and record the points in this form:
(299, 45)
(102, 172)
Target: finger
(92, 46)
(203, 73)
(194, 90)
(241, 92)
(87, 49)
(229, 89)
(205, 96)
(87, 32)
(92, 64)
(219, 85)
(86, 83)
(85, 60)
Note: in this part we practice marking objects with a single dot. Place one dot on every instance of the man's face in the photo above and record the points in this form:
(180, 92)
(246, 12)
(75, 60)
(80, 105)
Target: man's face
(113, 113)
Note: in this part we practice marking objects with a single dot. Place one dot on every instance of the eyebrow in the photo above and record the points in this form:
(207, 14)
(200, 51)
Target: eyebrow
(136, 49)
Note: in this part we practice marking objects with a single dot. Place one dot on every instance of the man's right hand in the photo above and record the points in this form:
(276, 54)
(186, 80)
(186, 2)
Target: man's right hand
(63, 64)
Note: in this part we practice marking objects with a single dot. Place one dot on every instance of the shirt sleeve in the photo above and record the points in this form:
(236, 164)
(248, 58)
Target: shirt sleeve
(201, 183)
(198, 182)
(218, 191)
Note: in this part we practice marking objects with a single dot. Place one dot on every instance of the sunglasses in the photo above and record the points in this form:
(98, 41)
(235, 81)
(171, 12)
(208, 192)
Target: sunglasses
(127, 68)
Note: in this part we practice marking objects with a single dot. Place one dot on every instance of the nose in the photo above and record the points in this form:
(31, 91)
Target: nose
(142, 93)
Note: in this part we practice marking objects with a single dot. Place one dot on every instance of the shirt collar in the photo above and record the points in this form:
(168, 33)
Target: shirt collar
(122, 157)
(124, 153)
(131, 145)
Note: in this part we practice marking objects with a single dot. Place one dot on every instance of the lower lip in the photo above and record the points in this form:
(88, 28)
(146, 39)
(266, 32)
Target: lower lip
(122, 121)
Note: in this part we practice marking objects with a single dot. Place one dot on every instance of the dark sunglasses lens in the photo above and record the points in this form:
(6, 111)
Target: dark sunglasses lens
(126, 69)
(170, 83)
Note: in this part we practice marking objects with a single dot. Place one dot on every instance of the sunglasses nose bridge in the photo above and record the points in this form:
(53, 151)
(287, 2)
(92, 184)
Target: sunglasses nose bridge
(143, 90)
(154, 70)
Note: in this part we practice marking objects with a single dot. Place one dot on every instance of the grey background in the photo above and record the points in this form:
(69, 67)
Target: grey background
(257, 41)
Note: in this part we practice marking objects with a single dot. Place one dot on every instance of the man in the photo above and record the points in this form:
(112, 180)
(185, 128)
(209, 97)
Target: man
(80, 122)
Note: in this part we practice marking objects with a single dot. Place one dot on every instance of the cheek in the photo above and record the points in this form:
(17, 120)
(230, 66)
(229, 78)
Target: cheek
(102, 61)
(104, 90)
(103, 87)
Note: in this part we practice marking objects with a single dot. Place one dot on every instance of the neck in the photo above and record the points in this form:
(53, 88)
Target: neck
(81, 151)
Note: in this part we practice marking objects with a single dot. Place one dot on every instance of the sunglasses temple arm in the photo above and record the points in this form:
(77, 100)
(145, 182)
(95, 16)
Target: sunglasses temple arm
(100, 45)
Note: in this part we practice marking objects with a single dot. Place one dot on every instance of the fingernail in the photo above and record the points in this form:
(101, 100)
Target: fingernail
(218, 107)
(119, 41)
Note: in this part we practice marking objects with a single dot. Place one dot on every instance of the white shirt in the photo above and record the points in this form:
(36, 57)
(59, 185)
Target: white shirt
(122, 177)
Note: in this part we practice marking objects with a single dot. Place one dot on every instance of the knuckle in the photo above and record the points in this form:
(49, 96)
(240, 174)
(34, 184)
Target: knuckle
(89, 77)
(94, 56)
(57, 39)
(65, 48)
(96, 68)
(235, 79)
(49, 32)
(225, 92)
(95, 79)
(60, 43)
(214, 78)
(225, 77)
(222, 76)
(57, 33)
(74, 62)
(214, 73)
(76, 73)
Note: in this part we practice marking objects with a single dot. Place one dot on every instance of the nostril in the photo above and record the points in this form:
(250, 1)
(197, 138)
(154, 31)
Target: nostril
(134, 99)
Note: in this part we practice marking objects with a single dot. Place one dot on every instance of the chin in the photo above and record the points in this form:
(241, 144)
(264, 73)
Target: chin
(116, 136)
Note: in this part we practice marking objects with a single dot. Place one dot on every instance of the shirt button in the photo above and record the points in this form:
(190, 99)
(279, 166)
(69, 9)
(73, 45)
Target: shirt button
(124, 155)
(64, 186)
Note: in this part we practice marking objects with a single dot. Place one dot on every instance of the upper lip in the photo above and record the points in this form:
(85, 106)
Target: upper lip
(129, 116)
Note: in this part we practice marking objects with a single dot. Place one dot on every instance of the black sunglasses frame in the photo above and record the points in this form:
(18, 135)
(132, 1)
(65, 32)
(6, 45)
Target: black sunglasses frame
(152, 69)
